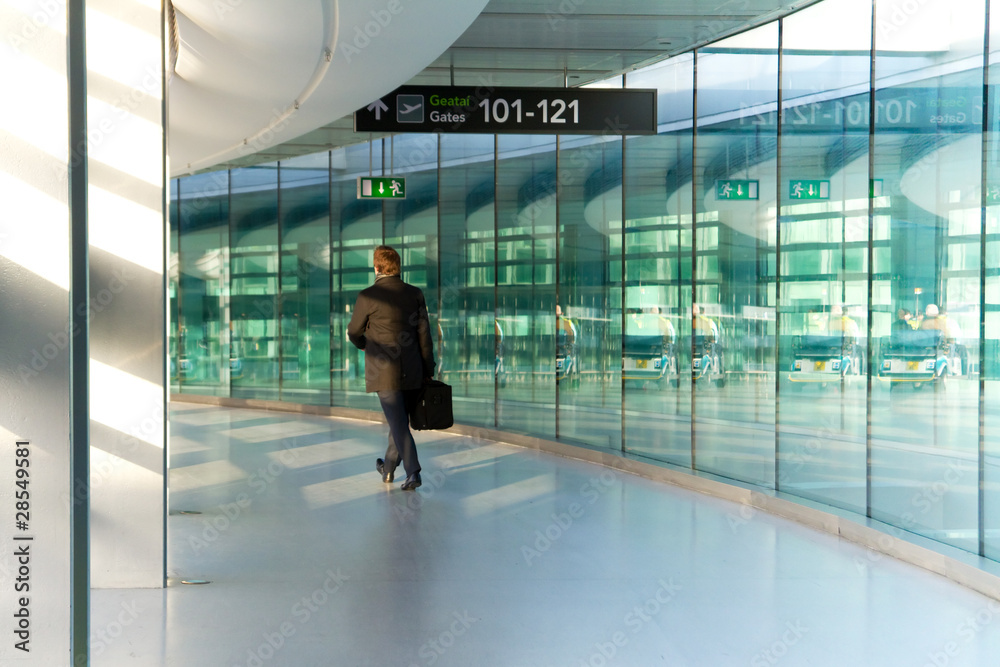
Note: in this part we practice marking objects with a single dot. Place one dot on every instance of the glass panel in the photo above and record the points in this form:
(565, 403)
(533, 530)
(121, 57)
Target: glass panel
(928, 156)
(655, 362)
(252, 357)
(412, 223)
(305, 280)
(357, 229)
(526, 258)
(990, 365)
(823, 309)
(588, 319)
(472, 355)
(173, 289)
(733, 315)
(203, 259)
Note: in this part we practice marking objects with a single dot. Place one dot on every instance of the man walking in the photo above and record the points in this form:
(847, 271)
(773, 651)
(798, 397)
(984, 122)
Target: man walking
(390, 324)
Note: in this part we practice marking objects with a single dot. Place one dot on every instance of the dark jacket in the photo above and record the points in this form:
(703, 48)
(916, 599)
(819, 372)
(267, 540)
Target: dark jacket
(390, 324)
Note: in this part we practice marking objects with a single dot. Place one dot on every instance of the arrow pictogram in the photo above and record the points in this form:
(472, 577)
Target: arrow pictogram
(378, 106)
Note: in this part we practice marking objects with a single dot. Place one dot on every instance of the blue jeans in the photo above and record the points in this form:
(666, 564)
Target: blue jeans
(396, 406)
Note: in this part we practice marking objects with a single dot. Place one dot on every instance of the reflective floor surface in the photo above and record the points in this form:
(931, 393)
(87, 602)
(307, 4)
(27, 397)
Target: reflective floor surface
(504, 557)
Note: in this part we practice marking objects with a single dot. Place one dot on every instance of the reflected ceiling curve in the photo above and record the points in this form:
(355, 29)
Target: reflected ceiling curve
(251, 74)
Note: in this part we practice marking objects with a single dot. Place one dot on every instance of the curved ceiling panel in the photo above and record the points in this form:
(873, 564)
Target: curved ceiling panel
(254, 73)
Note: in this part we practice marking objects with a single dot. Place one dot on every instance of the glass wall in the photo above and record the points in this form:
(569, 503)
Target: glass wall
(927, 159)
(657, 242)
(252, 321)
(793, 284)
(202, 333)
(305, 279)
(471, 355)
(526, 196)
(989, 342)
(823, 255)
(734, 271)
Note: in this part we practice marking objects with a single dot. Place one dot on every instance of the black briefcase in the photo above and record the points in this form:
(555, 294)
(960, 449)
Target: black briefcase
(433, 408)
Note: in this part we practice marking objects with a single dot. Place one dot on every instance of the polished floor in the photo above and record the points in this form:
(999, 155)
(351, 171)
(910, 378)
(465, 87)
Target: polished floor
(504, 557)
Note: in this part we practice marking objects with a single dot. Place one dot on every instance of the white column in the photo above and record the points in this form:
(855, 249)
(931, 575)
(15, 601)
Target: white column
(127, 185)
(35, 333)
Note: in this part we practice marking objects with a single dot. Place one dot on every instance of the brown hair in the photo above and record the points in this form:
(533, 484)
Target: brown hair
(386, 261)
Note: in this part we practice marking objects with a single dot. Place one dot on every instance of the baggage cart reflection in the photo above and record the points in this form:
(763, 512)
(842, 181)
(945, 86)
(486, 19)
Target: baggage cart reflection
(649, 350)
(707, 360)
(708, 364)
(821, 359)
(918, 358)
(567, 359)
(499, 371)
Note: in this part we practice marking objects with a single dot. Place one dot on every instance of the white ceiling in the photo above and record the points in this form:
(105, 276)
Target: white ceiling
(259, 80)
(250, 74)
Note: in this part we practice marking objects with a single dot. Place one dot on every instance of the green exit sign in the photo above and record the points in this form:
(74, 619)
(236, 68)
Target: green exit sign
(370, 187)
(808, 190)
(730, 190)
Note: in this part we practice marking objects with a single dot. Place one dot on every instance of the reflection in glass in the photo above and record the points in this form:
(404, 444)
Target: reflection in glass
(588, 308)
(823, 308)
(356, 229)
(305, 279)
(990, 345)
(733, 315)
(924, 423)
(471, 355)
(786, 288)
(251, 339)
(656, 354)
(203, 258)
(526, 270)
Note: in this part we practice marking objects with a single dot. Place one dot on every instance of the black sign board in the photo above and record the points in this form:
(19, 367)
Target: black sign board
(485, 110)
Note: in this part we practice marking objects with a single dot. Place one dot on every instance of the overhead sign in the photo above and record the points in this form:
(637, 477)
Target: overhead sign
(730, 190)
(370, 187)
(808, 190)
(471, 109)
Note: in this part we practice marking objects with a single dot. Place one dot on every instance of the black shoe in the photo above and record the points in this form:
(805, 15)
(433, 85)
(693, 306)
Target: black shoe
(380, 467)
(411, 483)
